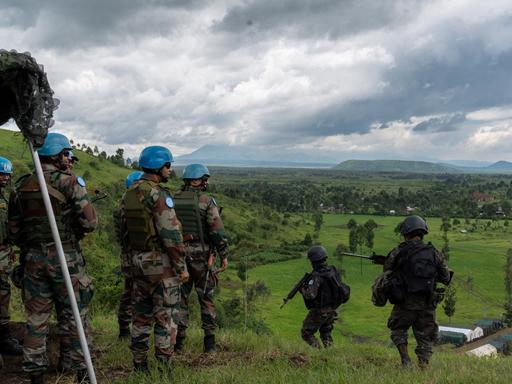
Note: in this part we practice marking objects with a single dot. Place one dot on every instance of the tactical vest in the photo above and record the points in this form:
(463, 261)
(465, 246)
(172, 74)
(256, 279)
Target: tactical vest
(419, 270)
(36, 229)
(3, 221)
(140, 227)
(193, 219)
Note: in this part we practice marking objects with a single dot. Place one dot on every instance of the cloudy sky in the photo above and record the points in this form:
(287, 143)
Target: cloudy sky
(337, 79)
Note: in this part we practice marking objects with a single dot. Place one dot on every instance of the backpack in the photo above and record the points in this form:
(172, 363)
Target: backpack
(420, 270)
(341, 291)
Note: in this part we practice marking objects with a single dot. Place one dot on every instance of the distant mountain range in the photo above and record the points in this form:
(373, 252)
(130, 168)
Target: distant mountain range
(251, 156)
(419, 167)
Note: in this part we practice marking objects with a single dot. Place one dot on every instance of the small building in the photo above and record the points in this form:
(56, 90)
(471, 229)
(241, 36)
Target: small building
(392, 212)
(482, 197)
(486, 350)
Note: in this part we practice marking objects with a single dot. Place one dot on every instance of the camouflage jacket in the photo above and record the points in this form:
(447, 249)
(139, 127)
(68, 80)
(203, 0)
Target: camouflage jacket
(6, 251)
(77, 213)
(157, 201)
(215, 232)
(393, 262)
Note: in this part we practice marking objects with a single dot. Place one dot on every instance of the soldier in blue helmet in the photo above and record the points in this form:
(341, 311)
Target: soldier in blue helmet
(124, 313)
(152, 233)
(205, 237)
(43, 283)
(8, 345)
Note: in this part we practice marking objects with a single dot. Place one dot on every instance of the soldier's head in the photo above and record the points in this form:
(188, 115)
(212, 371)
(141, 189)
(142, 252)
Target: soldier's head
(317, 255)
(5, 172)
(156, 160)
(196, 175)
(413, 227)
(55, 150)
(132, 178)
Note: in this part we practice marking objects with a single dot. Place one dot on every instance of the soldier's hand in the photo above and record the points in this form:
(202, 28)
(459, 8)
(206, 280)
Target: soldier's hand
(183, 277)
(224, 264)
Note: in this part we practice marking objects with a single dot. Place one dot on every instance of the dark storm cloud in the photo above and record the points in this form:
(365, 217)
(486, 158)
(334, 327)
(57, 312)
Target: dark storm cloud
(313, 18)
(418, 86)
(73, 24)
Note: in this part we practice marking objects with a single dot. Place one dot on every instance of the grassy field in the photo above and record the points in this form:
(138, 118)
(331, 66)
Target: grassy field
(479, 255)
(249, 358)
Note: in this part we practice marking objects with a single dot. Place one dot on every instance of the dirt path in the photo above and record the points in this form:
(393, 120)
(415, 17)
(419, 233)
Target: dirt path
(483, 341)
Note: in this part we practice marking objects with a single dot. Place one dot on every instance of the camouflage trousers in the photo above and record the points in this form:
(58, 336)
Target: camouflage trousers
(154, 302)
(319, 320)
(5, 298)
(124, 313)
(86, 294)
(424, 328)
(43, 286)
(197, 271)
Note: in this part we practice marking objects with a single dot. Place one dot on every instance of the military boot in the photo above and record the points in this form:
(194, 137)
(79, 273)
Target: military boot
(82, 377)
(311, 340)
(422, 363)
(209, 344)
(64, 363)
(404, 355)
(8, 344)
(326, 340)
(141, 367)
(37, 378)
(124, 333)
(180, 343)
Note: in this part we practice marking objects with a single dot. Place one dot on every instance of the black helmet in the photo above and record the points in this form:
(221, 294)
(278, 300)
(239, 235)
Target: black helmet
(317, 253)
(413, 223)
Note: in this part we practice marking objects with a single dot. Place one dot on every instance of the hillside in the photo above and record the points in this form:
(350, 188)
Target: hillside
(395, 166)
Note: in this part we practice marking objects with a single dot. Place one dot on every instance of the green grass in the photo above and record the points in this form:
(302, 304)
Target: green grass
(249, 358)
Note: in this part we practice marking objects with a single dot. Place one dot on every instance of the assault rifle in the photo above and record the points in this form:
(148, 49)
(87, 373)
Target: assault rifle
(98, 195)
(296, 289)
(376, 259)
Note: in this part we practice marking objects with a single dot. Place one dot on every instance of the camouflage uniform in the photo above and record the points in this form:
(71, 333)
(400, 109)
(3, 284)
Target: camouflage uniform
(6, 258)
(43, 283)
(156, 266)
(197, 254)
(417, 310)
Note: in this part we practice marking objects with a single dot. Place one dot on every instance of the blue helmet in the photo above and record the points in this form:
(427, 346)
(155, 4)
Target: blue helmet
(5, 165)
(195, 171)
(155, 157)
(54, 144)
(132, 178)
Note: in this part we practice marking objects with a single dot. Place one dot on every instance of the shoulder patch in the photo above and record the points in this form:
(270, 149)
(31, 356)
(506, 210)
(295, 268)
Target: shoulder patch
(80, 181)
(169, 202)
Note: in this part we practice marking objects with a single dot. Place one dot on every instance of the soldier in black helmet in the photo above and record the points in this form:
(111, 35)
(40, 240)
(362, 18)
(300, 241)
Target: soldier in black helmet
(323, 293)
(418, 267)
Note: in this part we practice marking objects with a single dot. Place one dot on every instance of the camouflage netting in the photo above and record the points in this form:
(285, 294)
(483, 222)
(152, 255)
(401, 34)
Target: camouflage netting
(25, 95)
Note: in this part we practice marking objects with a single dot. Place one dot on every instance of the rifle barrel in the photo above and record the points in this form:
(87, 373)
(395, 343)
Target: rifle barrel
(356, 255)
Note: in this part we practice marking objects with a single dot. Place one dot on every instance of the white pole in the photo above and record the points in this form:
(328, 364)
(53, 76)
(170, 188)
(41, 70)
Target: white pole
(63, 264)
